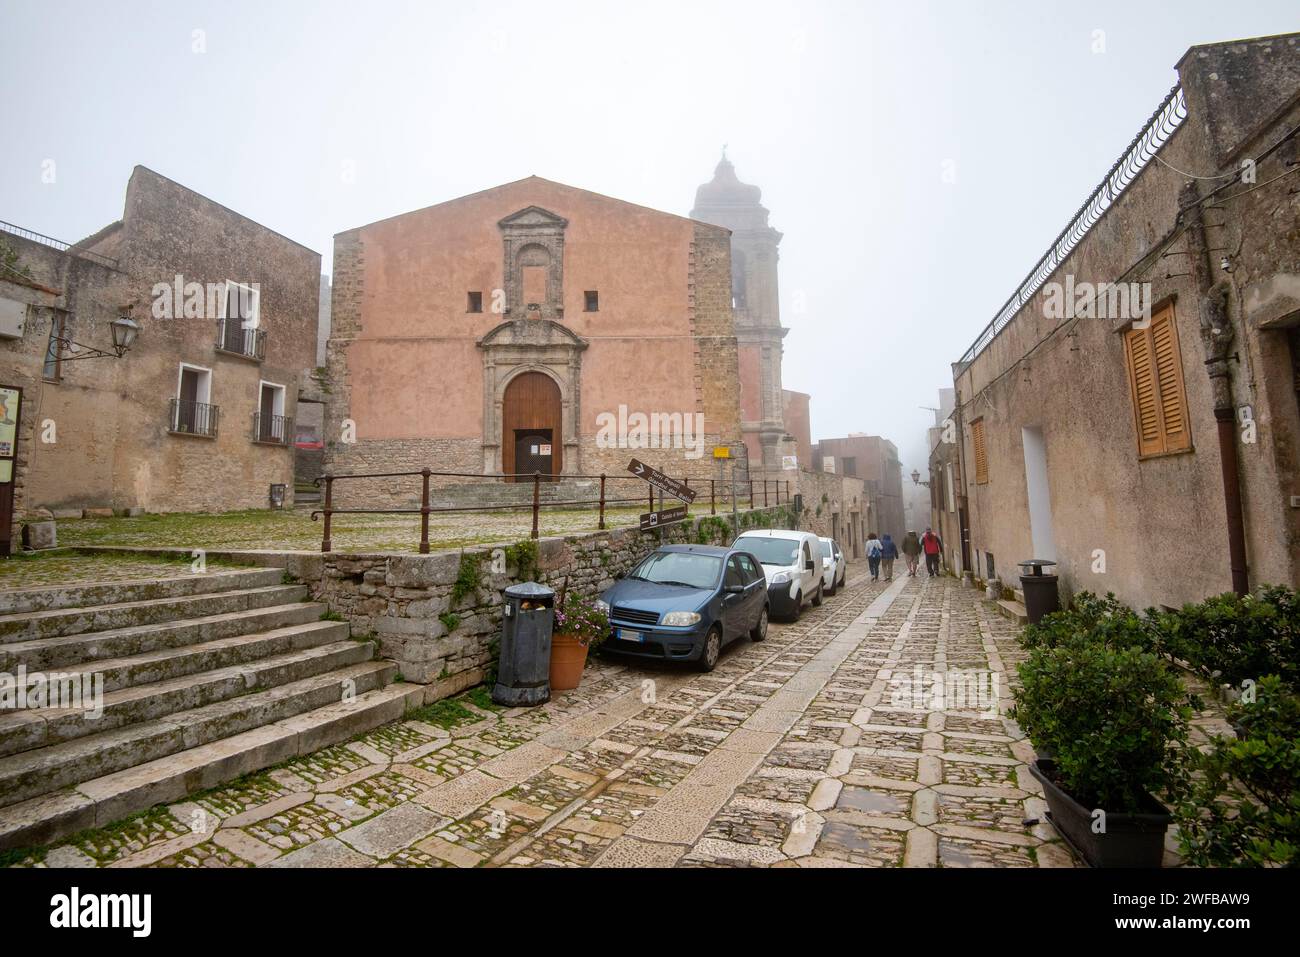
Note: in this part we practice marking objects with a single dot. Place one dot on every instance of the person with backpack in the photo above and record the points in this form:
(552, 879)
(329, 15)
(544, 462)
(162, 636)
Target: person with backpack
(874, 550)
(912, 549)
(888, 555)
(932, 545)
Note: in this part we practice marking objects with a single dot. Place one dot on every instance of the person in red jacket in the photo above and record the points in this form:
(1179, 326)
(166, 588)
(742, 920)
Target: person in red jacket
(932, 545)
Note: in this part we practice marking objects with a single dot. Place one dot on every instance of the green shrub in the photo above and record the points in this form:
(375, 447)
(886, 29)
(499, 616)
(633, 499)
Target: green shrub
(1107, 716)
(1090, 619)
(1242, 807)
(450, 621)
(468, 578)
(1230, 638)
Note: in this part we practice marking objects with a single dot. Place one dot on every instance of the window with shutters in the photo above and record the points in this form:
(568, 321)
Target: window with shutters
(1155, 371)
(981, 453)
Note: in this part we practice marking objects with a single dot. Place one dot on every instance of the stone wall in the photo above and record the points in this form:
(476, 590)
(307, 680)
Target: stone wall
(405, 601)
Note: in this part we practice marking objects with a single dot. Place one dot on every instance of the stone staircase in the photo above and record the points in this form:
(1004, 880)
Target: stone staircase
(205, 678)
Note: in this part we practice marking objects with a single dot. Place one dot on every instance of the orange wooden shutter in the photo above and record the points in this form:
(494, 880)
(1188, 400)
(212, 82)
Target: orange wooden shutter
(1169, 377)
(981, 454)
(1146, 404)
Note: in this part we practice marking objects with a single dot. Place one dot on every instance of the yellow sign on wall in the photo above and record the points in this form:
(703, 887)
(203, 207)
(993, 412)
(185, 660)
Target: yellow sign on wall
(721, 452)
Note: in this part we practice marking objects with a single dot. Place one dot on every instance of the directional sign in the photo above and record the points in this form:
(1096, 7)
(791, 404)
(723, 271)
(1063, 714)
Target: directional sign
(665, 516)
(665, 484)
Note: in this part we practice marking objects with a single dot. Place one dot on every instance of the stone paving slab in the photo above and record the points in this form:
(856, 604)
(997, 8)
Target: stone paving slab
(797, 751)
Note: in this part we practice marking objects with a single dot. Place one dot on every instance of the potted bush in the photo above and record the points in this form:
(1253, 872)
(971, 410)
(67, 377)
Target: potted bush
(1110, 717)
(581, 624)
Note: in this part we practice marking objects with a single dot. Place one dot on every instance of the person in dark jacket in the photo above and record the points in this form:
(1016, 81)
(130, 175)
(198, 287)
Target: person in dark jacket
(912, 549)
(888, 555)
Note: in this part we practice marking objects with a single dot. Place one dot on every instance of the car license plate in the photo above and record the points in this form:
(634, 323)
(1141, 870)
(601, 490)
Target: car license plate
(627, 634)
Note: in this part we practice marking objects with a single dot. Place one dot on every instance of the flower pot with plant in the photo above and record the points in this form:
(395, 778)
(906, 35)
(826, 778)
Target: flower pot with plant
(581, 624)
(1111, 718)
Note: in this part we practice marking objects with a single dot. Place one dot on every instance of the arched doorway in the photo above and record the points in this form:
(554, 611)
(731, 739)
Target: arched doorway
(532, 438)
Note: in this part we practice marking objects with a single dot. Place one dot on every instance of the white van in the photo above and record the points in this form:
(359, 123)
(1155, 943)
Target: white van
(792, 564)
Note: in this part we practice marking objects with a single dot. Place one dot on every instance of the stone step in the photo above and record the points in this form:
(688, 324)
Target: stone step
(24, 600)
(209, 655)
(61, 622)
(43, 727)
(99, 801)
(47, 654)
(1014, 610)
(33, 773)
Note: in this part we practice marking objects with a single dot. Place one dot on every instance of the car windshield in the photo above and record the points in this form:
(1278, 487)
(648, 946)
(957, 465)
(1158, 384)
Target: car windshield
(679, 568)
(770, 551)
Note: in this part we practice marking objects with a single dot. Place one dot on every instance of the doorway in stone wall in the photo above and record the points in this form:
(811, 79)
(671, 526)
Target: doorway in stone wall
(531, 426)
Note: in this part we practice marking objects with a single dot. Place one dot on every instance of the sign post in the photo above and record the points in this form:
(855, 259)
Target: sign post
(662, 483)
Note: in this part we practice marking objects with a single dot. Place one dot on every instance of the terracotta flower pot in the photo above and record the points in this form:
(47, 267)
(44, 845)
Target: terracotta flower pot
(568, 658)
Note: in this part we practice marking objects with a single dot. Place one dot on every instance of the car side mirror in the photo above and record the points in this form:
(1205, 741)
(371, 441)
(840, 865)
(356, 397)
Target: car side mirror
(734, 589)
(809, 566)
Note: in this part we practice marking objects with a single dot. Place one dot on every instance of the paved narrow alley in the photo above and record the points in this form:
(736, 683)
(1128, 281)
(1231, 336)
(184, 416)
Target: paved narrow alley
(813, 748)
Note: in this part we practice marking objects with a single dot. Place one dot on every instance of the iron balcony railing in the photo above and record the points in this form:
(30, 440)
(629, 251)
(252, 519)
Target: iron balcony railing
(274, 429)
(1164, 121)
(70, 248)
(193, 418)
(234, 338)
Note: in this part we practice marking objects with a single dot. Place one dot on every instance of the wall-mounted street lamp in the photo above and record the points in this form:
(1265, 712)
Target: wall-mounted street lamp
(916, 479)
(124, 330)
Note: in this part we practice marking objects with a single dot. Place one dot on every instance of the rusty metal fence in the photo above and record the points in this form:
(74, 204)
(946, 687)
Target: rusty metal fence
(768, 491)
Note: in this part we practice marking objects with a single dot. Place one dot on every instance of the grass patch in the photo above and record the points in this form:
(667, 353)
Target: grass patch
(481, 697)
(447, 714)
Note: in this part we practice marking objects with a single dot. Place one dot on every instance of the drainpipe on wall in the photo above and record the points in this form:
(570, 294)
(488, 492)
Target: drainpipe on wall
(1217, 335)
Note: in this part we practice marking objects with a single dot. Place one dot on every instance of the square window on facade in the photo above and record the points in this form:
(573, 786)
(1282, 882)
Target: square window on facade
(592, 299)
(475, 302)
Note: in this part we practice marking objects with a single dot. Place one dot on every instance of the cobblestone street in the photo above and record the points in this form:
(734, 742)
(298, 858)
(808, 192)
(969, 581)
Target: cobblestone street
(796, 751)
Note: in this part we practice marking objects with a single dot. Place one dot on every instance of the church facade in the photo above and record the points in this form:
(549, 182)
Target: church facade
(531, 327)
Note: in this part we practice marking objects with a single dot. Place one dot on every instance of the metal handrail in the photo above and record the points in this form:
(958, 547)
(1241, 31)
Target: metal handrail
(1157, 131)
(58, 244)
(327, 511)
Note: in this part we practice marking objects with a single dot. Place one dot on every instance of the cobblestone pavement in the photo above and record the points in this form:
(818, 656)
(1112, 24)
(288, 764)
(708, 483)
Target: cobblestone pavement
(49, 569)
(818, 747)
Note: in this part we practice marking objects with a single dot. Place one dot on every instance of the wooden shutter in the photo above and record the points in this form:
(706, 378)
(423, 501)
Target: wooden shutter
(1156, 379)
(981, 454)
(1169, 378)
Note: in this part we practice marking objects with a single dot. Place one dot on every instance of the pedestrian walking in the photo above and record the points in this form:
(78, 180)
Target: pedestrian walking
(874, 550)
(912, 549)
(888, 555)
(932, 545)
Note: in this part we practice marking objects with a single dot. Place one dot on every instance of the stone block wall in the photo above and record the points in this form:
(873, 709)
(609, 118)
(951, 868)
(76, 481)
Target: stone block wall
(405, 601)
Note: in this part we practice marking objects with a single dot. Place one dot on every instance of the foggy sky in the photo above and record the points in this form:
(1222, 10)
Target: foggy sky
(312, 118)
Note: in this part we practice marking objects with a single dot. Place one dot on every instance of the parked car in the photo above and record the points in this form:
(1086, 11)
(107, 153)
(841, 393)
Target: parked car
(835, 567)
(792, 565)
(685, 602)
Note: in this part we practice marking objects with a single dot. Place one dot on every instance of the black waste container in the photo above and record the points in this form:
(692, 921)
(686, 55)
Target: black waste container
(1040, 588)
(524, 667)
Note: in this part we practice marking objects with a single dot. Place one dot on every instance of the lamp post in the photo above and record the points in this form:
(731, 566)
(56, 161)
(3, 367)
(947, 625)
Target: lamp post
(124, 330)
(916, 479)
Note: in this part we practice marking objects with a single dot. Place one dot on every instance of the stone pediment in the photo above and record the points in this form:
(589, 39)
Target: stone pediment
(532, 332)
(534, 217)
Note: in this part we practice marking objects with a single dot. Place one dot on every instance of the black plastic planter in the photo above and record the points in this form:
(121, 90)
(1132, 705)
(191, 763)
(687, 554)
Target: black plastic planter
(1130, 840)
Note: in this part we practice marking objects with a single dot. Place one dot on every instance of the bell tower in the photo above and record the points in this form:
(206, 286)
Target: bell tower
(726, 201)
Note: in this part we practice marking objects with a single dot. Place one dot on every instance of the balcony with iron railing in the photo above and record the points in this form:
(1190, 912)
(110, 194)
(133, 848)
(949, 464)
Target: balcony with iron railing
(234, 339)
(272, 429)
(193, 418)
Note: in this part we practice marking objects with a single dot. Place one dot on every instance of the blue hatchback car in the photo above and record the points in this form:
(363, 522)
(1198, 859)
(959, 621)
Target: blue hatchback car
(684, 602)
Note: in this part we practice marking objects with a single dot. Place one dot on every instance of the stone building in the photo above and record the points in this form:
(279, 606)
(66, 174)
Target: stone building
(798, 427)
(1145, 434)
(726, 201)
(197, 414)
(531, 327)
(947, 503)
(875, 461)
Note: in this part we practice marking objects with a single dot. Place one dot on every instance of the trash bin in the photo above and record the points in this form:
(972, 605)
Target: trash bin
(1040, 588)
(524, 665)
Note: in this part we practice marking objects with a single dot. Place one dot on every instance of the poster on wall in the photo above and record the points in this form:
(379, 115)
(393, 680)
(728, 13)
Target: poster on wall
(10, 408)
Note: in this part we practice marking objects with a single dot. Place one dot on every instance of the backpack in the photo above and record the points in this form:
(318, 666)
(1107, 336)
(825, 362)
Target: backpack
(874, 548)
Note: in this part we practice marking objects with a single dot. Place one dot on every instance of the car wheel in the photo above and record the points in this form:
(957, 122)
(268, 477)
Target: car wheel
(712, 650)
(831, 591)
(798, 606)
(817, 598)
(760, 630)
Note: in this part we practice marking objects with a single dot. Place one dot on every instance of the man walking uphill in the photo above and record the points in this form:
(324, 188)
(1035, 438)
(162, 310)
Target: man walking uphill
(912, 549)
(932, 545)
